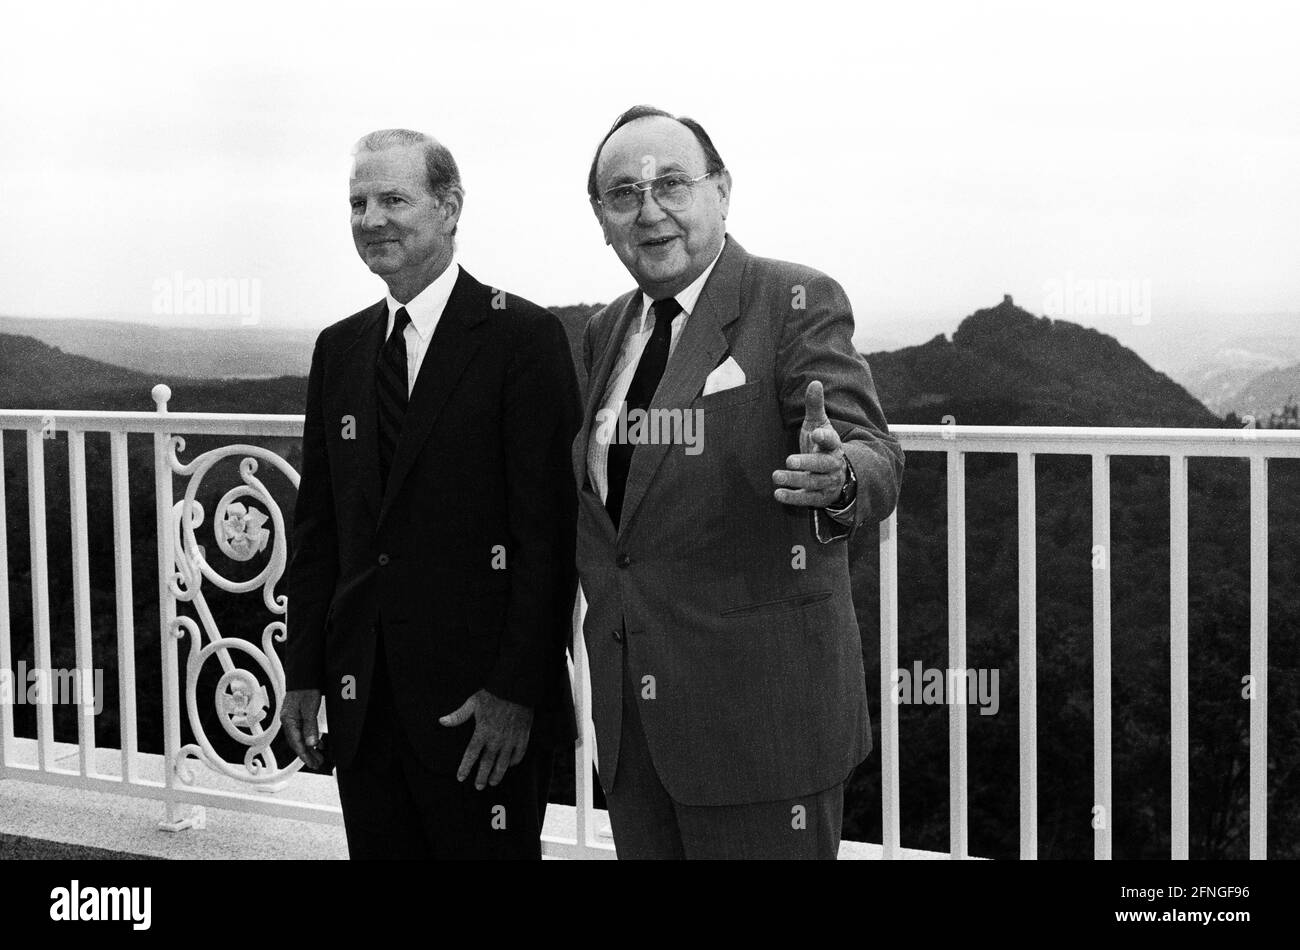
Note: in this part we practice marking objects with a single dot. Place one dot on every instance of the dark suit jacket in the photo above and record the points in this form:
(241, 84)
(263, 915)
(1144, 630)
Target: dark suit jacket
(481, 473)
(756, 661)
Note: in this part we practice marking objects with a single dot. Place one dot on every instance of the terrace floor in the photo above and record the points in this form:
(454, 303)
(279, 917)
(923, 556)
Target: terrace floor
(39, 820)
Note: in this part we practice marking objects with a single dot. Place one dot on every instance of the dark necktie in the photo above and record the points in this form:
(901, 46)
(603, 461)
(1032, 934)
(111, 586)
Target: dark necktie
(642, 389)
(391, 392)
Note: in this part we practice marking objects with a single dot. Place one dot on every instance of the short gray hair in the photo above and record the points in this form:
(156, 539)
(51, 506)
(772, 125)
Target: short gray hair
(443, 177)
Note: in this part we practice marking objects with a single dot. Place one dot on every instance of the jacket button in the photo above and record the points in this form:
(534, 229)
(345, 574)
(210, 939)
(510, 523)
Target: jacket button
(383, 559)
(622, 560)
(618, 635)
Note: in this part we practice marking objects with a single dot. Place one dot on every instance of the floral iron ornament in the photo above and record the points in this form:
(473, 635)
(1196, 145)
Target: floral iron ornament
(245, 535)
(244, 699)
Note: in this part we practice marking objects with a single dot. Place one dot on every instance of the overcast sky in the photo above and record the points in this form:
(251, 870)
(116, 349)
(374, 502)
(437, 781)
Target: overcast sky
(930, 158)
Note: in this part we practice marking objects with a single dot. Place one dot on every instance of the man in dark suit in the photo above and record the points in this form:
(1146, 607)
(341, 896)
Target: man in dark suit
(726, 664)
(431, 583)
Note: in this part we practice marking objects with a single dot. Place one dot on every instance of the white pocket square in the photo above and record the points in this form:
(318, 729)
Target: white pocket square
(727, 375)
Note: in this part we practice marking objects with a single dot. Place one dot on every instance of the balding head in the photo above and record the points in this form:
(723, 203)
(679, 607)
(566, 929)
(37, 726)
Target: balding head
(675, 223)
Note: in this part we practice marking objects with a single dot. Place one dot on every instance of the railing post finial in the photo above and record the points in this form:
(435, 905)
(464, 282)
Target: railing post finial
(161, 394)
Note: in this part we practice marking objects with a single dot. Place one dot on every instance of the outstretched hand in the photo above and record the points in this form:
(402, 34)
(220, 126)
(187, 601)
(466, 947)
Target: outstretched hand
(814, 478)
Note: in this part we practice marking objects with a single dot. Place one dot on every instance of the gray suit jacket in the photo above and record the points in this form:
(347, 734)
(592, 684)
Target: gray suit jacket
(736, 620)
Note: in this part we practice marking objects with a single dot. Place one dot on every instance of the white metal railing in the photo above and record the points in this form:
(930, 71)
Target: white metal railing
(182, 569)
(1026, 443)
(246, 710)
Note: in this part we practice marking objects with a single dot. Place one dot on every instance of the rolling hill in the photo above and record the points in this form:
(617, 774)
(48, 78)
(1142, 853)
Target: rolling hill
(1004, 366)
(35, 375)
(199, 349)
(1267, 392)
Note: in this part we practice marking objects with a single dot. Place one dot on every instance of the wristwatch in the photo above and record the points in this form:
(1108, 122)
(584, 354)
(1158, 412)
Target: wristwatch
(850, 489)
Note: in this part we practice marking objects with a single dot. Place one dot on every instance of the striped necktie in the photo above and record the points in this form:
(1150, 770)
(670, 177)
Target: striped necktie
(391, 392)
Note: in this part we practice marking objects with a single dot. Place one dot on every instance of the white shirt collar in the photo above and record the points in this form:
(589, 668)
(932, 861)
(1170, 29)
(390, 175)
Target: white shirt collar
(426, 307)
(689, 297)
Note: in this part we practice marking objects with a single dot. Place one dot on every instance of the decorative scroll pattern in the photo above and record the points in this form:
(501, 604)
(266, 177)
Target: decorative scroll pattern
(245, 708)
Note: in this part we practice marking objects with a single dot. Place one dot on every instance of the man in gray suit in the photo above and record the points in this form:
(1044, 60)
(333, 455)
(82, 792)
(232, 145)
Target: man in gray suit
(727, 681)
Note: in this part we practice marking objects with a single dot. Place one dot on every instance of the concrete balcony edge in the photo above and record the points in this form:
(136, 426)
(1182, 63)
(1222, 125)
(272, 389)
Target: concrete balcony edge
(53, 814)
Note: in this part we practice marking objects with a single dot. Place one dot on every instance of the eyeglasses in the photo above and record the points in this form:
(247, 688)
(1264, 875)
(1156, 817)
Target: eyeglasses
(672, 192)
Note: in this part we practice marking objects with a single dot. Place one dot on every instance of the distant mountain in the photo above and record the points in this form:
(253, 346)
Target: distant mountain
(575, 319)
(1267, 392)
(35, 375)
(1215, 356)
(169, 352)
(1222, 375)
(1219, 385)
(71, 363)
(1004, 366)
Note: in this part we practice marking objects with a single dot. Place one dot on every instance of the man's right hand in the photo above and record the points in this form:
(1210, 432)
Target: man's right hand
(298, 717)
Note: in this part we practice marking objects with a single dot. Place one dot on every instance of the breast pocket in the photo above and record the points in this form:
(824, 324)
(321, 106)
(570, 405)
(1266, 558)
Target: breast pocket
(736, 396)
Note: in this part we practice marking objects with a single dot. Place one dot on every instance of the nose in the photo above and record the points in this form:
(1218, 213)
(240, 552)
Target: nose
(650, 212)
(373, 217)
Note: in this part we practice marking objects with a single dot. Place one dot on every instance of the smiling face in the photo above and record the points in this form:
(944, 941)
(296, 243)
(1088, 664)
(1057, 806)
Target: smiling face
(400, 229)
(664, 251)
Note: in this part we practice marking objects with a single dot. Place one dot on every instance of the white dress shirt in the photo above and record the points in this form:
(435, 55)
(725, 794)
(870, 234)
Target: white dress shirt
(425, 310)
(620, 375)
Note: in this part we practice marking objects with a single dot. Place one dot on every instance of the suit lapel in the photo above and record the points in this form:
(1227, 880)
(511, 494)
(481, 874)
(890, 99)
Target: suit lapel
(598, 382)
(453, 345)
(699, 348)
(359, 398)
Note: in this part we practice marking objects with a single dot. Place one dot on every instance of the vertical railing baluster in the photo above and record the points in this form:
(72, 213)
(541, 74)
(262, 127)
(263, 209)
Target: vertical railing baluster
(6, 653)
(40, 593)
(125, 605)
(171, 697)
(583, 798)
(889, 791)
(81, 600)
(1179, 765)
(1099, 449)
(1027, 553)
(1259, 657)
(955, 688)
(1101, 701)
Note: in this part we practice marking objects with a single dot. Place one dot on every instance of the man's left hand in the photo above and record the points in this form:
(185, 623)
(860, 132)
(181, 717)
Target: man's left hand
(500, 739)
(815, 477)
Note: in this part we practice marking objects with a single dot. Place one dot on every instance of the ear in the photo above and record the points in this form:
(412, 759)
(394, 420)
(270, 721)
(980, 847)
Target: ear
(600, 218)
(450, 207)
(724, 191)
